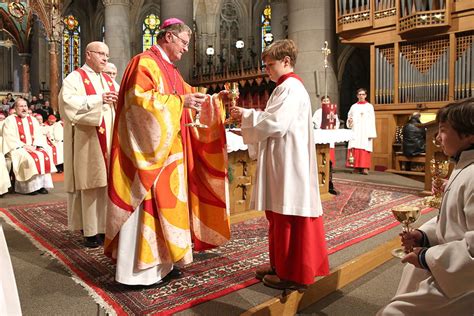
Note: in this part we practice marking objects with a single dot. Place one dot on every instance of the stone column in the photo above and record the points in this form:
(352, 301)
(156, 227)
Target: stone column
(53, 75)
(117, 33)
(25, 73)
(310, 23)
(183, 10)
(279, 18)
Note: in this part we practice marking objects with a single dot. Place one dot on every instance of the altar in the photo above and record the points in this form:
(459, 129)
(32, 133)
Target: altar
(242, 168)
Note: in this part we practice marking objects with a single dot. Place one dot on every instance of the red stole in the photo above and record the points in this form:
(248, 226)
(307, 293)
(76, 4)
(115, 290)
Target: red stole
(33, 154)
(21, 129)
(101, 129)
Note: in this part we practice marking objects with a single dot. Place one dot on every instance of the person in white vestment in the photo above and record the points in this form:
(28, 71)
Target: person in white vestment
(439, 276)
(24, 146)
(5, 183)
(56, 135)
(286, 185)
(86, 104)
(361, 119)
(111, 70)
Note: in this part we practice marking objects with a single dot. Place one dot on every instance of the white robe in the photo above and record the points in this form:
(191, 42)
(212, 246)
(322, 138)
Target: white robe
(56, 136)
(4, 175)
(449, 288)
(363, 125)
(28, 177)
(287, 176)
(4, 172)
(85, 173)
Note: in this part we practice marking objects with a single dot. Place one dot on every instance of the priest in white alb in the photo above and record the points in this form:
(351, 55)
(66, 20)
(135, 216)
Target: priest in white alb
(23, 145)
(86, 104)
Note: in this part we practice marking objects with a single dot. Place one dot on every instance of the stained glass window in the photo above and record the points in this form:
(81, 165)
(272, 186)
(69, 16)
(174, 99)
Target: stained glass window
(150, 30)
(266, 27)
(71, 48)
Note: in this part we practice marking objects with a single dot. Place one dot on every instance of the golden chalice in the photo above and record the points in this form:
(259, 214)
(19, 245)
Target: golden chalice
(406, 215)
(197, 123)
(233, 95)
(439, 171)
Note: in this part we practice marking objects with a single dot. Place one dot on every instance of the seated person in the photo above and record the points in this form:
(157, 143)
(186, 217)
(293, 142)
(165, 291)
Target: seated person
(4, 174)
(413, 136)
(22, 144)
(439, 276)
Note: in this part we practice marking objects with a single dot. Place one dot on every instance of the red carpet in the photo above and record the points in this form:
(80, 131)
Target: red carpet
(359, 212)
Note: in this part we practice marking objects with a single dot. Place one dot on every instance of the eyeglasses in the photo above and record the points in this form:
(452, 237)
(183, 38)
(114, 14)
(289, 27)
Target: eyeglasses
(110, 73)
(101, 54)
(361, 94)
(184, 42)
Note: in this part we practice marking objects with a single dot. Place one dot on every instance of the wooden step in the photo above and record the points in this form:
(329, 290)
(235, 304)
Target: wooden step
(407, 173)
(339, 277)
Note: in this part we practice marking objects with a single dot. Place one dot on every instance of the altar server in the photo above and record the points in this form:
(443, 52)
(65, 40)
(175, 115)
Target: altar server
(439, 276)
(286, 184)
(361, 119)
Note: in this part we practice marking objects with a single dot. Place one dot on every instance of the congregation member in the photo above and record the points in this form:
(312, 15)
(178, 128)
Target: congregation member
(10, 99)
(361, 119)
(168, 181)
(5, 106)
(286, 185)
(86, 104)
(24, 146)
(439, 276)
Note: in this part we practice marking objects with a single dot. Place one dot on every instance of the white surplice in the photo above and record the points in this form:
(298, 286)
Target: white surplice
(363, 125)
(448, 289)
(287, 176)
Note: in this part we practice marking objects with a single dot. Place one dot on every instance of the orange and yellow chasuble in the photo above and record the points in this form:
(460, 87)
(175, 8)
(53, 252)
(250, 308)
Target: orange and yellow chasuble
(176, 174)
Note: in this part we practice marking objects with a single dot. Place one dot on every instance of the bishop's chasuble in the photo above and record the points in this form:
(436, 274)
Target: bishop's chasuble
(167, 181)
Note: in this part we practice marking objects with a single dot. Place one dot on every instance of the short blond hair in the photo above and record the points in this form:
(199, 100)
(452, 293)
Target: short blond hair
(280, 49)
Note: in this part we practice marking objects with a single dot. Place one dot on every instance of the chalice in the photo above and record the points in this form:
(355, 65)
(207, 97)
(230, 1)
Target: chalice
(233, 89)
(439, 171)
(406, 215)
(197, 123)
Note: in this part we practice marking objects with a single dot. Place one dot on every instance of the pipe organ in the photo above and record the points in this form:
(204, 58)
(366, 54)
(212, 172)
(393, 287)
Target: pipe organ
(421, 58)
(464, 67)
(423, 71)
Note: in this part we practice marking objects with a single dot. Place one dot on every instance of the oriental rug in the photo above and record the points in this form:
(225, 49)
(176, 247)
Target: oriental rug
(361, 211)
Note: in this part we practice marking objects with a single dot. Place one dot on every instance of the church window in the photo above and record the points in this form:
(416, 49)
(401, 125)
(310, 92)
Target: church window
(71, 48)
(150, 31)
(266, 28)
(229, 31)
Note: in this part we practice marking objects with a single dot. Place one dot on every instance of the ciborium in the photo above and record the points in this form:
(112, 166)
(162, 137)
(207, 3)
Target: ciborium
(406, 215)
(439, 171)
(197, 122)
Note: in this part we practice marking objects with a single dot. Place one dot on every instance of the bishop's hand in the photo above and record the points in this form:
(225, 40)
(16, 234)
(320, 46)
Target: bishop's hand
(194, 100)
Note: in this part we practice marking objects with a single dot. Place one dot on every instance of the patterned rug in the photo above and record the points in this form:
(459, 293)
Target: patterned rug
(359, 212)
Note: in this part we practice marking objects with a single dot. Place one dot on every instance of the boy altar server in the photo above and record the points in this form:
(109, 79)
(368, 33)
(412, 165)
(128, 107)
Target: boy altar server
(286, 179)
